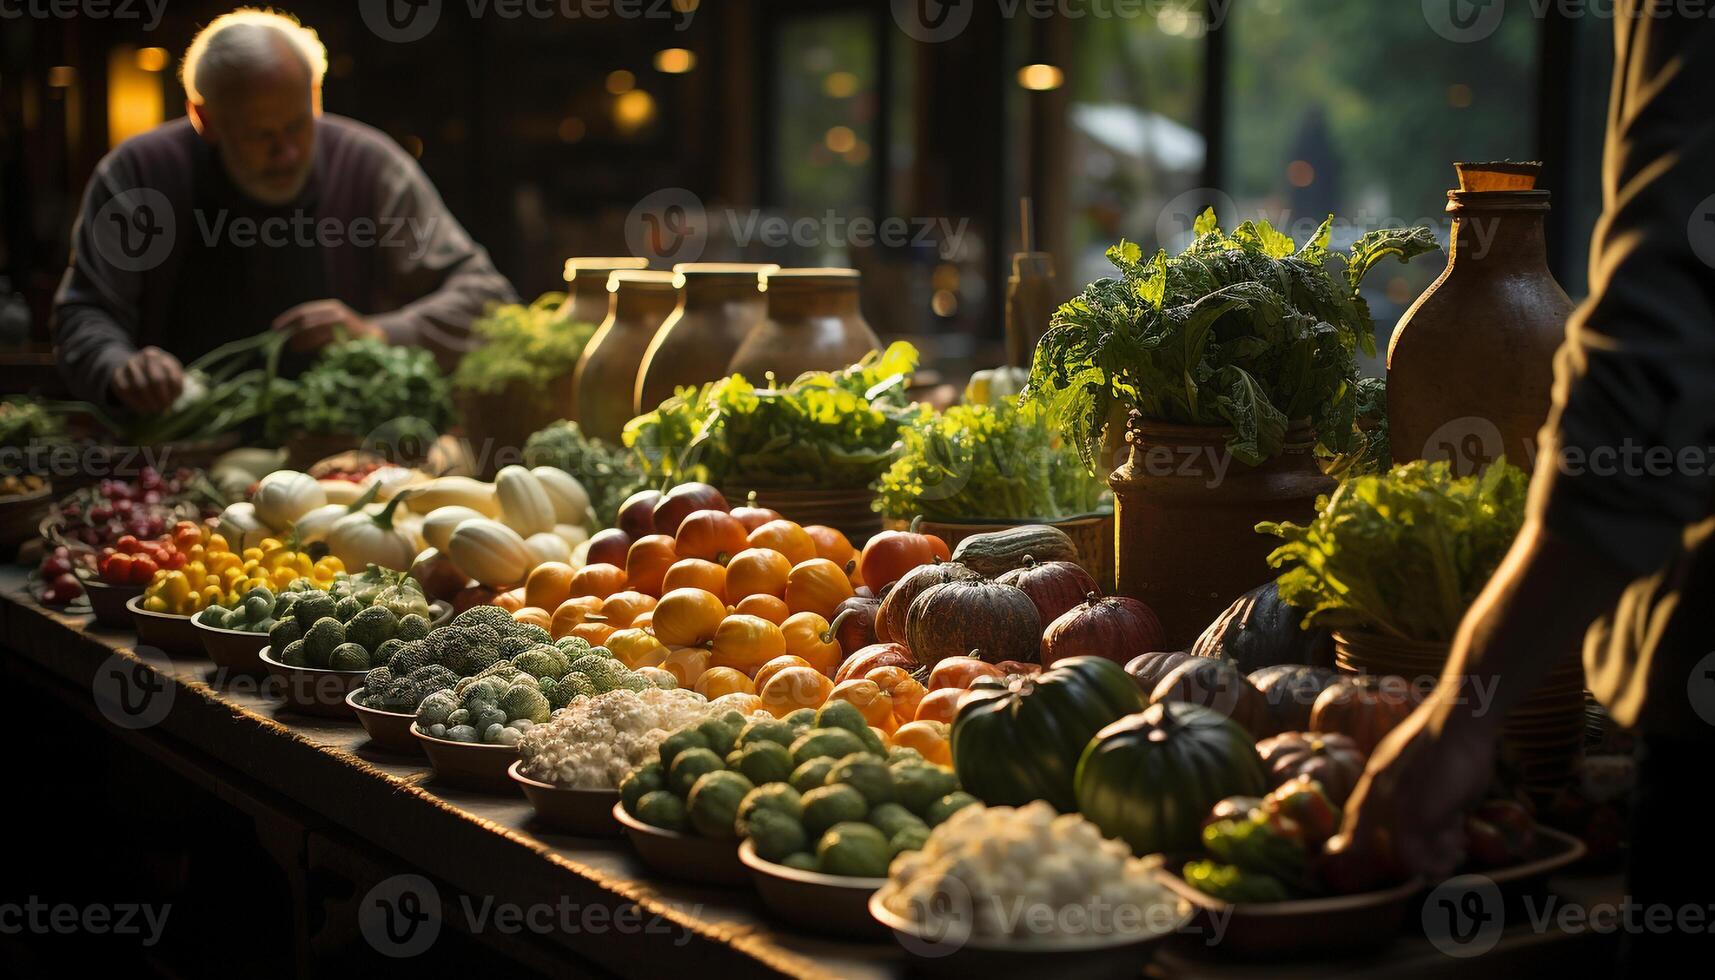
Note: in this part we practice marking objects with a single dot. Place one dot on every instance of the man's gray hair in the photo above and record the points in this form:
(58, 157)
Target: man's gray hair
(237, 43)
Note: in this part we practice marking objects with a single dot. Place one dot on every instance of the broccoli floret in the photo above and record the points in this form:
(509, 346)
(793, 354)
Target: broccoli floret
(377, 680)
(523, 701)
(569, 687)
(633, 681)
(573, 646)
(589, 662)
(412, 627)
(606, 675)
(402, 696)
(513, 645)
(541, 661)
(371, 627)
(530, 631)
(493, 617)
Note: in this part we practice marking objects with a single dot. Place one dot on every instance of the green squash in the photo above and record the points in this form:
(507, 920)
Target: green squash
(1152, 778)
(1021, 741)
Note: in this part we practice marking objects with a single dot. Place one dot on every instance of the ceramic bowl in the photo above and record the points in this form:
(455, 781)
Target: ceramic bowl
(389, 730)
(683, 857)
(1314, 925)
(164, 631)
(232, 650)
(832, 905)
(312, 690)
(584, 812)
(469, 765)
(108, 602)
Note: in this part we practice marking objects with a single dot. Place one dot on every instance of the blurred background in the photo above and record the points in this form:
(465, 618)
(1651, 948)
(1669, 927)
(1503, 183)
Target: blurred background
(544, 123)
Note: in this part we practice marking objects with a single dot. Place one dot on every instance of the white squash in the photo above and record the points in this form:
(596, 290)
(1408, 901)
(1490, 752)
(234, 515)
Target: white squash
(390, 480)
(548, 547)
(580, 555)
(315, 525)
(341, 492)
(524, 504)
(362, 539)
(438, 526)
(283, 496)
(490, 552)
(456, 491)
(411, 526)
(241, 528)
(571, 501)
(574, 534)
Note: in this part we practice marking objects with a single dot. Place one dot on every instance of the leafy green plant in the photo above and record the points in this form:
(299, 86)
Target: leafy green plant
(1248, 331)
(823, 431)
(357, 386)
(608, 473)
(524, 346)
(26, 422)
(994, 462)
(1403, 553)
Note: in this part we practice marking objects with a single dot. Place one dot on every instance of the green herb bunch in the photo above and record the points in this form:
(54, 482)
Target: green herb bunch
(610, 474)
(26, 422)
(527, 346)
(358, 386)
(1248, 331)
(1403, 553)
(986, 462)
(823, 431)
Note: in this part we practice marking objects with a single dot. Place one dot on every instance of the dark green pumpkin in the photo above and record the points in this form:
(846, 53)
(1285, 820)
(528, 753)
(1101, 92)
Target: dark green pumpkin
(1152, 778)
(1260, 630)
(1021, 741)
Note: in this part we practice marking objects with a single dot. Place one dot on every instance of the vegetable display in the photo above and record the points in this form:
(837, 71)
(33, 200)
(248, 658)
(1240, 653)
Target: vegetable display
(609, 474)
(1248, 331)
(595, 742)
(357, 387)
(213, 574)
(1404, 553)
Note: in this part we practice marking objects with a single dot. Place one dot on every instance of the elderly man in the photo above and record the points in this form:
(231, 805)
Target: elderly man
(256, 212)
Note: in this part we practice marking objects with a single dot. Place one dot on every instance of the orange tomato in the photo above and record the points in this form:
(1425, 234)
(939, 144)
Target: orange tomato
(831, 544)
(534, 616)
(511, 600)
(787, 538)
(905, 690)
(597, 580)
(960, 672)
(817, 586)
(622, 608)
(808, 635)
(717, 681)
(891, 554)
(647, 561)
(696, 573)
(548, 585)
(746, 643)
(777, 665)
(872, 702)
(595, 632)
(768, 607)
(636, 648)
(686, 664)
(757, 571)
(571, 613)
(685, 617)
(712, 535)
(795, 687)
(940, 705)
(928, 737)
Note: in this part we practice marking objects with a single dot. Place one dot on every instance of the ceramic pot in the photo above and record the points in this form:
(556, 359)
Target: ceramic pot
(586, 285)
(1186, 513)
(813, 324)
(719, 305)
(1471, 364)
(639, 302)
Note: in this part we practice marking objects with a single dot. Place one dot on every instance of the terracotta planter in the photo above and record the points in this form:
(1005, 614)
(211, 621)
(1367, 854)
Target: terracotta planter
(1092, 533)
(586, 285)
(496, 425)
(1186, 514)
(639, 302)
(851, 512)
(813, 324)
(1471, 364)
(719, 305)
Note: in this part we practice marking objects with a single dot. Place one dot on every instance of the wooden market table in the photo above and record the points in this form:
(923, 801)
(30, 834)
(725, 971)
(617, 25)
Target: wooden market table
(322, 796)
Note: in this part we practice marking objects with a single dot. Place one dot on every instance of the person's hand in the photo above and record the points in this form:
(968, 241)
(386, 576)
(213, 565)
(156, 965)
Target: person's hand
(320, 322)
(1406, 816)
(149, 382)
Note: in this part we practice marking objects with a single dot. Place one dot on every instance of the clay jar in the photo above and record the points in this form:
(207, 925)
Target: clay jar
(1186, 513)
(586, 285)
(639, 301)
(813, 324)
(1471, 364)
(719, 305)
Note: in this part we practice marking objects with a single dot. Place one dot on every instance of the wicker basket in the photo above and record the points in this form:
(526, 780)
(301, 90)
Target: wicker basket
(1092, 533)
(851, 512)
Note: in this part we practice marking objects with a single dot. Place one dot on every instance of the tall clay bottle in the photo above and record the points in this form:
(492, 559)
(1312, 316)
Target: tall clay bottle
(719, 305)
(1471, 365)
(586, 285)
(639, 301)
(1031, 299)
(813, 324)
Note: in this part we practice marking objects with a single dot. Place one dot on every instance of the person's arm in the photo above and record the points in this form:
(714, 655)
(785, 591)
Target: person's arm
(1638, 371)
(96, 310)
(436, 260)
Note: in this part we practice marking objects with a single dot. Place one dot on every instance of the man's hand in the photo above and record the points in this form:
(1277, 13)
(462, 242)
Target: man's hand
(149, 382)
(320, 322)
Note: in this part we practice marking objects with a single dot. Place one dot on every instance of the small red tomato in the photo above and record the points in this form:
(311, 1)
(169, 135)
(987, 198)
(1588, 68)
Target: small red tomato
(142, 570)
(116, 569)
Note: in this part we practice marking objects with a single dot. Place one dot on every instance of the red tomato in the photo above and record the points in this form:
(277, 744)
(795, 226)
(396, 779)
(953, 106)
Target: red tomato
(143, 569)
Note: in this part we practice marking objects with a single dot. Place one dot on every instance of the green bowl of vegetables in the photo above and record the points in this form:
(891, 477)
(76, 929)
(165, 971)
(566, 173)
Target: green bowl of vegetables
(232, 650)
